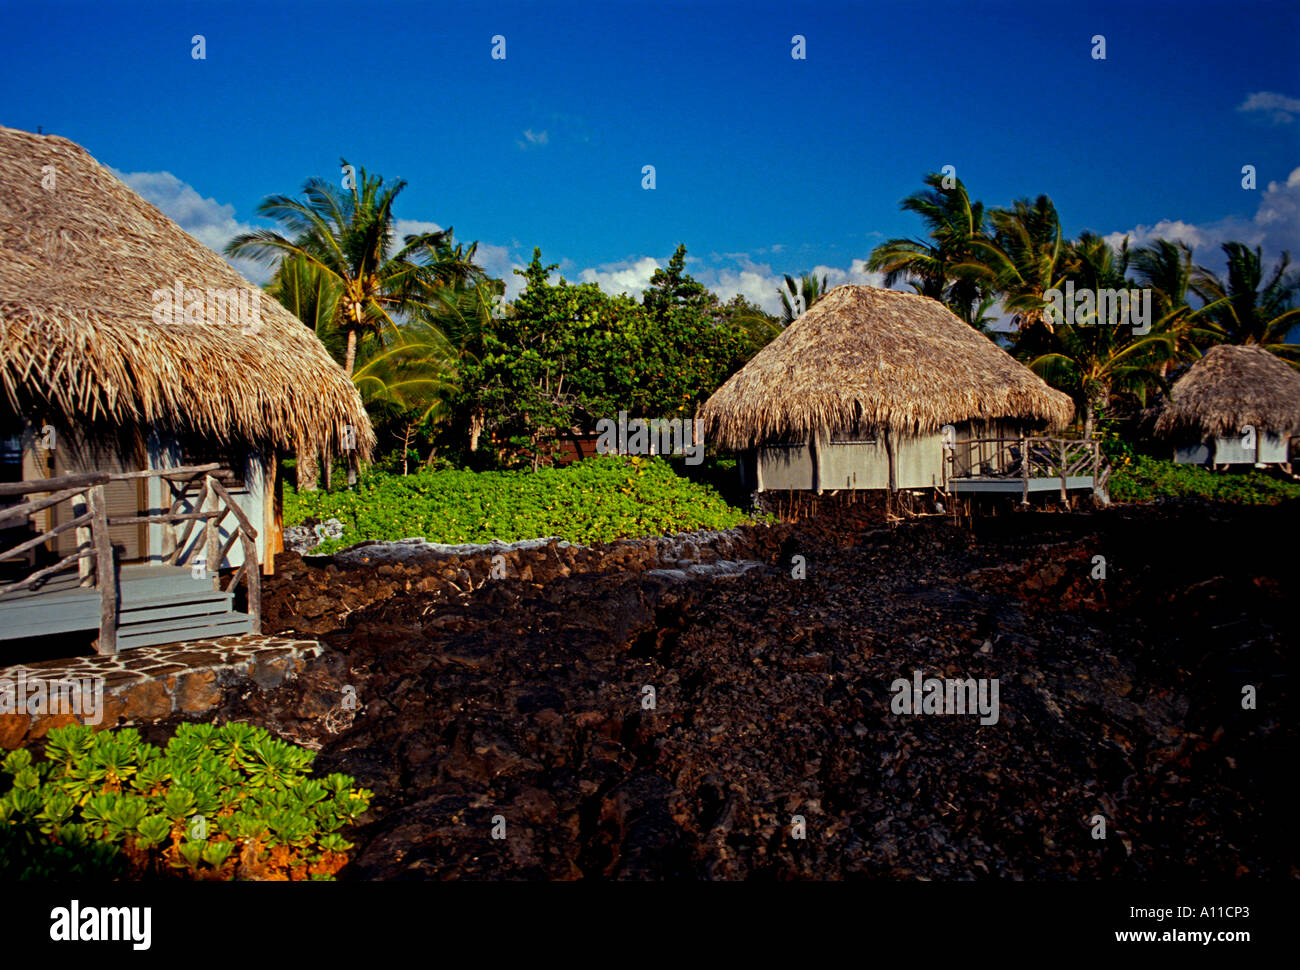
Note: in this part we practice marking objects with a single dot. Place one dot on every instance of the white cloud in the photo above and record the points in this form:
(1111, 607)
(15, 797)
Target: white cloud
(726, 274)
(627, 276)
(1172, 229)
(207, 220)
(1274, 228)
(500, 262)
(533, 138)
(1278, 108)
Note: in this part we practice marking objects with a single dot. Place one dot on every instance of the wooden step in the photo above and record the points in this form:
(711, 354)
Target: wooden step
(183, 628)
(212, 602)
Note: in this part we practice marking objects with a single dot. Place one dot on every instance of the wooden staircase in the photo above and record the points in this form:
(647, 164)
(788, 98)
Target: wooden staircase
(158, 604)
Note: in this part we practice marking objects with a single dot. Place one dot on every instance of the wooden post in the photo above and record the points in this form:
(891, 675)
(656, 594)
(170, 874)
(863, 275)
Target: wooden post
(213, 548)
(269, 531)
(84, 538)
(1065, 498)
(758, 467)
(105, 570)
(1024, 470)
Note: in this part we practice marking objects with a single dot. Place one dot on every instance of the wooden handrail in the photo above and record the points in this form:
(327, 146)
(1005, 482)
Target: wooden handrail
(234, 507)
(164, 518)
(77, 482)
(95, 543)
(36, 577)
(18, 550)
(184, 471)
(34, 505)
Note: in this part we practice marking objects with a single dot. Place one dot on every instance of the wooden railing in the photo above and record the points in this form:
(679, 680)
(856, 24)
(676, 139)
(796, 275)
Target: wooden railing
(94, 555)
(94, 552)
(1027, 458)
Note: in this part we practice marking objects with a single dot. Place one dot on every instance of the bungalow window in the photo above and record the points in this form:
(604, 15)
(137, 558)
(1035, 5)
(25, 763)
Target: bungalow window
(11, 447)
(11, 456)
(855, 434)
(200, 451)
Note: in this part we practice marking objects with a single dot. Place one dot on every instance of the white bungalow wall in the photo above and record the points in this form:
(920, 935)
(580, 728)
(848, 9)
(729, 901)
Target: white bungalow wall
(1229, 451)
(854, 464)
(864, 463)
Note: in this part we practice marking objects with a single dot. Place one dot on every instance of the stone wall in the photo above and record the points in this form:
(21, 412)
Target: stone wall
(143, 684)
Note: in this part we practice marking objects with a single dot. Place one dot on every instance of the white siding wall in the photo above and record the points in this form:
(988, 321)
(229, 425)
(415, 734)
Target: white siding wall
(165, 452)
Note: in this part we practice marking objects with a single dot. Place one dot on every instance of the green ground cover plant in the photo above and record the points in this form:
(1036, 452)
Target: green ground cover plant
(597, 500)
(228, 802)
(1142, 478)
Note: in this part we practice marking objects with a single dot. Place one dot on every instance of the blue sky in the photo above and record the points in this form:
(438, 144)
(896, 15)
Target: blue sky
(764, 164)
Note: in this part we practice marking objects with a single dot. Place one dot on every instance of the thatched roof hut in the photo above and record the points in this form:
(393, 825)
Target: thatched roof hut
(881, 359)
(1232, 388)
(83, 264)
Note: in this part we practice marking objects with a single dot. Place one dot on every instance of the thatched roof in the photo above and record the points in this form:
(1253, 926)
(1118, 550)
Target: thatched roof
(880, 358)
(1232, 387)
(81, 259)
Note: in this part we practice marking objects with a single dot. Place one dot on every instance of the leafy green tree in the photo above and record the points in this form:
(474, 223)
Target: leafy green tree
(689, 343)
(1166, 269)
(753, 328)
(1092, 363)
(561, 355)
(673, 288)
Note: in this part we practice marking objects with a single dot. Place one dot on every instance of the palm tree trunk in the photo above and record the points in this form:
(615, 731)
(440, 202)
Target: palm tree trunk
(350, 361)
(475, 429)
(308, 471)
(1088, 412)
(327, 472)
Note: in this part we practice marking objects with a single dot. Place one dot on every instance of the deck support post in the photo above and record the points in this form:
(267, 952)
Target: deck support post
(105, 570)
(1065, 496)
(212, 555)
(85, 538)
(1024, 471)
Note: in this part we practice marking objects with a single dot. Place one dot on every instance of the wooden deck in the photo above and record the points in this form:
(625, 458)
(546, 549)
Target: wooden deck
(1026, 466)
(131, 604)
(1014, 486)
(157, 604)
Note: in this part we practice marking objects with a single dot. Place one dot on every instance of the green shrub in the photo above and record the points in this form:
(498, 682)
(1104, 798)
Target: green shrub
(597, 500)
(219, 803)
(1142, 479)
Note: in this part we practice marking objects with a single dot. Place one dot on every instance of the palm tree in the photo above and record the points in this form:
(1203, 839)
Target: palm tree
(1166, 269)
(1092, 363)
(1023, 258)
(463, 314)
(953, 221)
(807, 291)
(348, 237)
(1249, 310)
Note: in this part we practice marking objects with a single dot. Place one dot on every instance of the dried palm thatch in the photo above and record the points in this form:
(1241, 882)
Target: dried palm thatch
(877, 359)
(82, 261)
(1232, 387)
